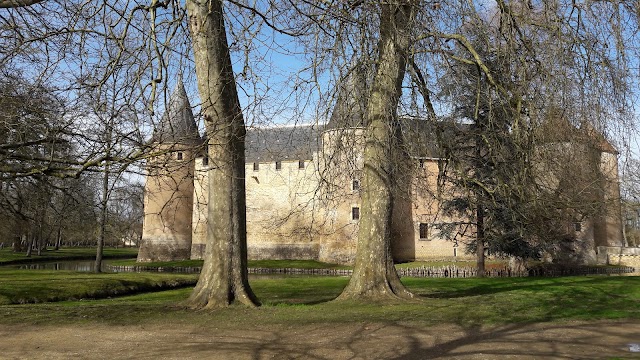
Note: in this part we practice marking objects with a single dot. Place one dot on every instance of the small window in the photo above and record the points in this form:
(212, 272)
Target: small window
(179, 155)
(300, 164)
(205, 161)
(256, 166)
(278, 165)
(421, 163)
(455, 252)
(424, 231)
(355, 185)
(577, 226)
(355, 213)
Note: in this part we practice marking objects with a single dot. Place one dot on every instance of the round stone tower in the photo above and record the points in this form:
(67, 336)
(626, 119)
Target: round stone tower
(168, 198)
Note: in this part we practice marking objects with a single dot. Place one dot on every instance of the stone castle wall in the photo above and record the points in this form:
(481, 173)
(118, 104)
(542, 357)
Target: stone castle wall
(167, 227)
(612, 219)
(307, 209)
(616, 255)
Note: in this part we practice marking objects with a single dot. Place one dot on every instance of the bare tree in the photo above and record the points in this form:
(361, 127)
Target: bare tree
(129, 44)
(517, 78)
(374, 274)
(224, 275)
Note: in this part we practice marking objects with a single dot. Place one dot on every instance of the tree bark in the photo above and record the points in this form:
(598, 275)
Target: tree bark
(480, 240)
(374, 275)
(58, 238)
(224, 277)
(104, 200)
(30, 245)
(8, 4)
(103, 217)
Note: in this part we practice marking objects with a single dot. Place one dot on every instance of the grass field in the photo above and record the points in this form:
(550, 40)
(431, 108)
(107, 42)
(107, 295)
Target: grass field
(269, 264)
(298, 264)
(37, 286)
(52, 297)
(7, 256)
(294, 300)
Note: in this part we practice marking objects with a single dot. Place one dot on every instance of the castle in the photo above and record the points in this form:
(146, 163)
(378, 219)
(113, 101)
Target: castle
(302, 188)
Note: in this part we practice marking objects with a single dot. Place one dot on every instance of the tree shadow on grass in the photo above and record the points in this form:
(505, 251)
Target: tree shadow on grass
(535, 285)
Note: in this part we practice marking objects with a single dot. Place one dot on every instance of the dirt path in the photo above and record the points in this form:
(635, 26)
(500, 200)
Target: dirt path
(579, 340)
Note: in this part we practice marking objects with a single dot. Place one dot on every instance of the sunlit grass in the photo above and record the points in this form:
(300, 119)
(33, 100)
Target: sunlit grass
(458, 263)
(34, 286)
(7, 256)
(295, 300)
(267, 264)
(299, 264)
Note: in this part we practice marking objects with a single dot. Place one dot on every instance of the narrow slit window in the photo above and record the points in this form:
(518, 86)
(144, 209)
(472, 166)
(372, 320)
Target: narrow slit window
(278, 165)
(301, 164)
(421, 163)
(179, 155)
(355, 185)
(355, 213)
(256, 166)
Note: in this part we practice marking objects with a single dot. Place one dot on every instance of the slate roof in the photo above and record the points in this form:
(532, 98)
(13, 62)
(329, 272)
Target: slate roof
(282, 143)
(177, 124)
(351, 101)
(301, 141)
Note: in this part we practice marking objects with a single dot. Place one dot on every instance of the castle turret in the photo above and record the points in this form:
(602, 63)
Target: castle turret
(168, 199)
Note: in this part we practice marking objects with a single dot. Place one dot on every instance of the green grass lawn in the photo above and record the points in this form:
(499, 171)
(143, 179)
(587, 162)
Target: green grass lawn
(37, 286)
(7, 256)
(295, 300)
(459, 263)
(297, 264)
(269, 264)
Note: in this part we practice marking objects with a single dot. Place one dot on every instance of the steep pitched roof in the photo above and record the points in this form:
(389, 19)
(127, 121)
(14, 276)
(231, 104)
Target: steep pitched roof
(282, 143)
(422, 138)
(177, 124)
(351, 102)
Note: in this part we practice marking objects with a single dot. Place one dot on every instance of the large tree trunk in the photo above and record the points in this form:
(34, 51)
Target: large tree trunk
(224, 277)
(374, 275)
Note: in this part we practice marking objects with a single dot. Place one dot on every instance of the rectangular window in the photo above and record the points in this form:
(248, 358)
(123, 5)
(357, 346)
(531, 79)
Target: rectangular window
(355, 213)
(205, 161)
(256, 166)
(278, 165)
(421, 163)
(355, 185)
(179, 156)
(424, 231)
(300, 164)
(577, 226)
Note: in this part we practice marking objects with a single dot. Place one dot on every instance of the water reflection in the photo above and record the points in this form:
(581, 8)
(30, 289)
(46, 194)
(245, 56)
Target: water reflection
(89, 266)
(83, 265)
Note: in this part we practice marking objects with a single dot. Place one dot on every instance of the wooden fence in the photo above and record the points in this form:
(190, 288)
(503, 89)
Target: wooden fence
(451, 271)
